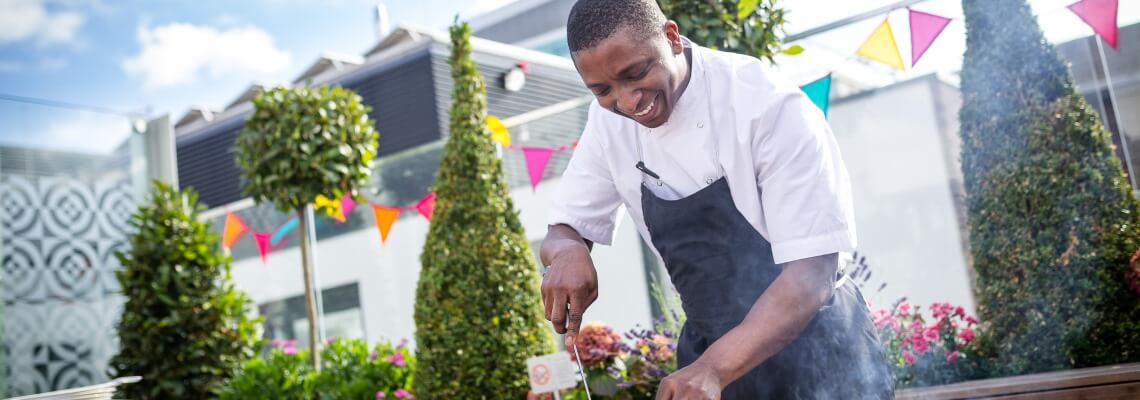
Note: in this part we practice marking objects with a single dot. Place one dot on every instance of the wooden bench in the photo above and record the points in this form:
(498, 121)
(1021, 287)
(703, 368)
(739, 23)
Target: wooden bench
(1100, 383)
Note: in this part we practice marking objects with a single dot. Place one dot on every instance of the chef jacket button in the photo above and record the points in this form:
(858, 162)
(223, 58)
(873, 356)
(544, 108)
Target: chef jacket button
(709, 180)
(701, 124)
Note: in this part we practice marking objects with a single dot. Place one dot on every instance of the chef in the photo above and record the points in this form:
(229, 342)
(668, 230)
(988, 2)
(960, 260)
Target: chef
(734, 177)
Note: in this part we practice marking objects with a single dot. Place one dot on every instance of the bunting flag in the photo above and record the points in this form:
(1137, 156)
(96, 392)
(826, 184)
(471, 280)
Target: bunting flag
(924, 28)
(385, 217)
(1100, 15)
(536, 160)
(330, 207)
(347, 203)
(499, 132)
(426, 205)
(881, 47)
(262, 239)
(284, 230)
(232, 230)
(819, 92)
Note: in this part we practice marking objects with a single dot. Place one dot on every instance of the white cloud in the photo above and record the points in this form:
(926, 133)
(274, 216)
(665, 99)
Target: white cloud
(178, 53)
(482, 6)
(29, 19)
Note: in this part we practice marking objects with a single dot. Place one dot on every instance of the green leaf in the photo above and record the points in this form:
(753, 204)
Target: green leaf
(746, 8)
(792, 50)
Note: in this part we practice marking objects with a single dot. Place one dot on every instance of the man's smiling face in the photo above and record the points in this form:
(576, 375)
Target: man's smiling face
(638, 78)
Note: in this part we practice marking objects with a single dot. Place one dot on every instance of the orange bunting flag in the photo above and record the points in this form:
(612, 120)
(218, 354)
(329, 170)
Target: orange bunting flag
(385, 217)
(881, 47)
(232, 230)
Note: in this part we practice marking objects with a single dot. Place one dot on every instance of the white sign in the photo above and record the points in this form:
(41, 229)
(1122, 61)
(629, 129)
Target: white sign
(551, 372)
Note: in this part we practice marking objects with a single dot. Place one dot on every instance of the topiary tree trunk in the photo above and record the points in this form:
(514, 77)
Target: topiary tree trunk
(478, 310)
(184, 327)
(1052, 217)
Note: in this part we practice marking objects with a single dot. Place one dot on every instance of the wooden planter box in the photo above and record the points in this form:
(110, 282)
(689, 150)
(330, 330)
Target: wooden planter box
(1101, 383)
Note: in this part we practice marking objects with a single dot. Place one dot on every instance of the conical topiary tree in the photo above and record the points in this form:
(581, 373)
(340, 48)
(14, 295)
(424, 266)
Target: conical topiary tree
(1052, 217)
(301, 143)
(478, 310)
(184, 327)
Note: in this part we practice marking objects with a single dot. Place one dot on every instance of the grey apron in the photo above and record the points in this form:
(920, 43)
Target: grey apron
(721, 265)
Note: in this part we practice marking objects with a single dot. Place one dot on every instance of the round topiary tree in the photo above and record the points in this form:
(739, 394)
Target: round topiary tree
(1052, 217)
(184, 327)
(301, 143)
(749, 27)
(478, 310)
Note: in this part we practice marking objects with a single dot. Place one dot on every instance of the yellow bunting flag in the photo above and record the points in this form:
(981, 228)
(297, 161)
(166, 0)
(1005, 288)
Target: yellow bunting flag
(499, 132)
(232, 230)
(385, 216)
(881, 47)
(330, 207)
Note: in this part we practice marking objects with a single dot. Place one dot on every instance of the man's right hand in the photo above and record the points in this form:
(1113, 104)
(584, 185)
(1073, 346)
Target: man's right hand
(571, 283)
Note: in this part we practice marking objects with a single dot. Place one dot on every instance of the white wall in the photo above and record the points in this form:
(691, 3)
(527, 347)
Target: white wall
(901, 176)
(387, 274)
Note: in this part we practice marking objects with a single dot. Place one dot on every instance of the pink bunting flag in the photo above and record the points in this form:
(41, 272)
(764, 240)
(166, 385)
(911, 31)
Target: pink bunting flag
(262, 239)
(536, 160)
(1101, 16)
(426, 205)
(924, 28)
(347, 203)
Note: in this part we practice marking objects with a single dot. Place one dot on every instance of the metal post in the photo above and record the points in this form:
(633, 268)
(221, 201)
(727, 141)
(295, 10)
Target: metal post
(1116, 114)
(312, 288)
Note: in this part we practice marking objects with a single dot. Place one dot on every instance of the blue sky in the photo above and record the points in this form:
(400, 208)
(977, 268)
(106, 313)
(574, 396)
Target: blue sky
(162, 56)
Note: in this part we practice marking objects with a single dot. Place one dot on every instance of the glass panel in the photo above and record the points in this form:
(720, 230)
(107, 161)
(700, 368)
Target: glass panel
(66, 196)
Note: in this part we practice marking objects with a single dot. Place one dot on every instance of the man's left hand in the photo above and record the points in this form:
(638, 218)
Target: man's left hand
(697, 381)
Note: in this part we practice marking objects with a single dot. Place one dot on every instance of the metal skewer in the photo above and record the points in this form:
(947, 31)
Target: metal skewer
(581, 371)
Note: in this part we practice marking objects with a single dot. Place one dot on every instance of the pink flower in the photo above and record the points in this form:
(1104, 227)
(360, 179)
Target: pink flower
(402, 394)
(882, 317)
(960, 312)
(920, 345)
(952, 356)
(398, 359)
(971, 320)
(931, 333)
(909, 357)
(903, 307)
(289, 350)
(940, 310)
(966, 335)
(380, 395)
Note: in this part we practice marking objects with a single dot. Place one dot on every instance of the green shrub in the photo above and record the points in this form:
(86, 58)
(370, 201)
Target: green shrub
(749, 27)
(478, 310)
(184, 327)
(280, 375)
(1052, 217)
(349, 370)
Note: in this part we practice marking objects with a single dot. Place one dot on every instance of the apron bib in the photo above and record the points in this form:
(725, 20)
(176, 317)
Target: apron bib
(720, 265)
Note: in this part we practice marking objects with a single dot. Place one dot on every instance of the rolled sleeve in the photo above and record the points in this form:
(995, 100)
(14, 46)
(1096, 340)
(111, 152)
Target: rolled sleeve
(586, 198)
(804, 186)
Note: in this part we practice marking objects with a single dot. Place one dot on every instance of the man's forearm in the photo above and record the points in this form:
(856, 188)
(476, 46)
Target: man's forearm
(776, 319)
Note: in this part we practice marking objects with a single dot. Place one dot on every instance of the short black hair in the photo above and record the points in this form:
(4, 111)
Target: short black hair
(592, 21)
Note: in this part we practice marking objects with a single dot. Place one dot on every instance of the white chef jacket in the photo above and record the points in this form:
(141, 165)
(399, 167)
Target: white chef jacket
(772, 143)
